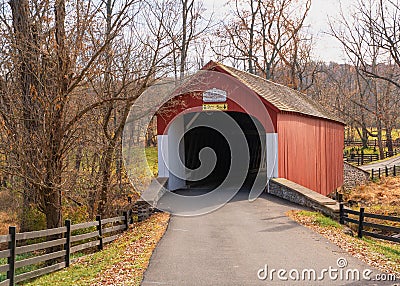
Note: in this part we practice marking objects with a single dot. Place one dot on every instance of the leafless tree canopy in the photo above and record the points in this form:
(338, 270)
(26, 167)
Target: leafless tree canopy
(371, 41)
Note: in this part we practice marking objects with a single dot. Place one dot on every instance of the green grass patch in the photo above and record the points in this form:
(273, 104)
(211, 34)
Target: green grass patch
(388, 250)
(320, 219)
(24, 269)
(84, 273)
(3, 275)
(307, 213)
(152, 159)
(326, 221)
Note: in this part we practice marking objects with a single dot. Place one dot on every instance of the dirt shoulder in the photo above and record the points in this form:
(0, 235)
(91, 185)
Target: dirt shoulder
(382, 255)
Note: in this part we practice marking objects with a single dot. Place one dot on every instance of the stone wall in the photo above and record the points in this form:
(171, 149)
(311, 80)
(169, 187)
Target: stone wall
(354, 176)
(298, 194)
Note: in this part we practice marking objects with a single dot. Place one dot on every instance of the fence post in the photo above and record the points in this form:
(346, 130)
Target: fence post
(340, 198)
(67, 246)
(394, 170)
(379, 172)
(386, 171)
(372, 174)
(131, 213)
(126, 220)
(12, 245)
(341, 213)
(360, 222)
(100, 230)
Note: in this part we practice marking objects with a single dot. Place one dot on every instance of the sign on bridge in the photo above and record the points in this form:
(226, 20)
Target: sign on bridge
(221, 106)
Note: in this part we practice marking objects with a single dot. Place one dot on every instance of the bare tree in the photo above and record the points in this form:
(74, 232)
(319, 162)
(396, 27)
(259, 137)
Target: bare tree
(127, 75)
(54, 51)
(240, 34)
(264, 35)
(368, 42)
(187, 26)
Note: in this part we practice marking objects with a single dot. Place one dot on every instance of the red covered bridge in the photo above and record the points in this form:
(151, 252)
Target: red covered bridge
(301, 141)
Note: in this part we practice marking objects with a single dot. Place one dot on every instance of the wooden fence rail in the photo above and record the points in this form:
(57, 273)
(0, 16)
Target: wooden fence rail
(370, 143)
(387, 171)
(62, 242)
(359, 218)
(361, 158)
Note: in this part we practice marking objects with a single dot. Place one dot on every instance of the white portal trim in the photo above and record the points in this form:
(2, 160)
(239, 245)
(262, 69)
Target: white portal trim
(272, 154)
(176, 154)
(162, 144)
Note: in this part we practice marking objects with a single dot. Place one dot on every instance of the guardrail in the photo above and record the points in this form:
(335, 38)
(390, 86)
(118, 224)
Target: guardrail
(360, 220)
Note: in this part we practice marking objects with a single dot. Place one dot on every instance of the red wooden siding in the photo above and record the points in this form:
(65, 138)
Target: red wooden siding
(310, 151)
(240, 98)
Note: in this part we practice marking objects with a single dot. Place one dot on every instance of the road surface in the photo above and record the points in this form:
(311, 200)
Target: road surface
(231, 245)
(388, 163)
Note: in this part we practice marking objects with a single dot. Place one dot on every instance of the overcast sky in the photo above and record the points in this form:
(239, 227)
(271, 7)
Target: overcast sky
(327, 48)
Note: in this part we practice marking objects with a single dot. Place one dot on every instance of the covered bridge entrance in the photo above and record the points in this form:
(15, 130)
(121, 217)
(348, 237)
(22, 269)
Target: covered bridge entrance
(229, 127)
(205, 145)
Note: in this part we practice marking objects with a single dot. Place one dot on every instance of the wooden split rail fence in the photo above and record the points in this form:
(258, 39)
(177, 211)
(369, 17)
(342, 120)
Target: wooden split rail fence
(362, 159)
(370, 143)
(32, 248)
(369, 228)
(387, 171)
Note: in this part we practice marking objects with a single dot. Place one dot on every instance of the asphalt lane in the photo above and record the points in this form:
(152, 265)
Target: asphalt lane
(386, 163)
(230, 246)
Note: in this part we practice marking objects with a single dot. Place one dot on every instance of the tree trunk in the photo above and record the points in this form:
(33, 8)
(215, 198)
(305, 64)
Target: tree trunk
(389, 141)
(26, 209)
(363, 134)
(25, 46)
(380, 143)
(106, 168)
(78, 157)
(52, 199)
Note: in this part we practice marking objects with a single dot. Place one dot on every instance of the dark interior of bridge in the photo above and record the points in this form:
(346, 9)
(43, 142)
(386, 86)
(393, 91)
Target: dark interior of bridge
(200, 137)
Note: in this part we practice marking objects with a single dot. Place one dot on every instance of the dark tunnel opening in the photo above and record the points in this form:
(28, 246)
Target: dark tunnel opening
(200, 137)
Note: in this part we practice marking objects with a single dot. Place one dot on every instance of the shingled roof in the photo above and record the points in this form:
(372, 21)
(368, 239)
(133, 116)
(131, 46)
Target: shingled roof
(280, 96)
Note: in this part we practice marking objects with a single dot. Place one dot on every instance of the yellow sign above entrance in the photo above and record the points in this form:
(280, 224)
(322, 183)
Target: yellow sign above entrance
(218, 106)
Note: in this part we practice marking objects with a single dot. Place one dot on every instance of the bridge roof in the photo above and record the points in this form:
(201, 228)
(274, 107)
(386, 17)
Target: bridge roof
(282, 97)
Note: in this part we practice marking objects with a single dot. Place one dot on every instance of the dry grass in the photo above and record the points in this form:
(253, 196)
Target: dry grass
(382, 197)
(8, 215)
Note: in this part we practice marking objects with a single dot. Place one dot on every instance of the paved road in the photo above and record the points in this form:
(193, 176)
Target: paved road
(389, 163)
(230, 245)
